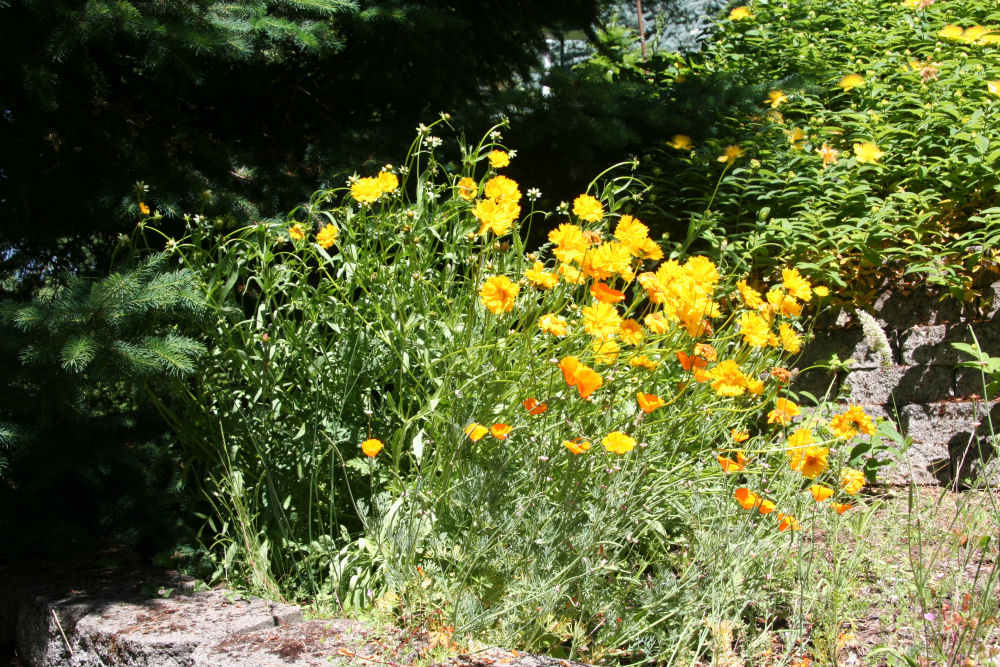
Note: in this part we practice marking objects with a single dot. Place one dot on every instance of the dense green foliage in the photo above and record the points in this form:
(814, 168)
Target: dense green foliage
(924, 207)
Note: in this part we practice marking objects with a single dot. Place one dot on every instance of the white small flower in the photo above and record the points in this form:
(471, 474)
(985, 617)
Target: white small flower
(534, 193)
(495, 135)
(423, 129)
(563, 207)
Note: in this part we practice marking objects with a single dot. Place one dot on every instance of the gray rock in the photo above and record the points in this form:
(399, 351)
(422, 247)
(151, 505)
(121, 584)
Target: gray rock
(900, 385)
(846, 344)
(933, 344)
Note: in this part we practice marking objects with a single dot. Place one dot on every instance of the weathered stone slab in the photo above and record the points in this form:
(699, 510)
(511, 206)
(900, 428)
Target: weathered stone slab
(817, 382)
(167, 631)
(925, 464)
(941, 423)
(318, 642)
(933, 344)
(900, 385)
(846, 344)
(897, 309)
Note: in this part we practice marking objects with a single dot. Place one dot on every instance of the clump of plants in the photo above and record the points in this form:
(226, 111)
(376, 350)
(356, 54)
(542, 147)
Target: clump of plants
(855, 139)
(585, 448)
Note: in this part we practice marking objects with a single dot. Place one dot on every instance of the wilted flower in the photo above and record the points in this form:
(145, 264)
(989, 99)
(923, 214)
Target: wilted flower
(143, 208)
(828, 153)
(739, 436)
(730, 465)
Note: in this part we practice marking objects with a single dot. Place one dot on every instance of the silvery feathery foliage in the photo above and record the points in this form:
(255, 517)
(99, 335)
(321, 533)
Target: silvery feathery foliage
(877, 341)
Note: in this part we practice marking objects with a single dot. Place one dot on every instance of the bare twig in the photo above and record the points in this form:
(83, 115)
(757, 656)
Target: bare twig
(65, 641)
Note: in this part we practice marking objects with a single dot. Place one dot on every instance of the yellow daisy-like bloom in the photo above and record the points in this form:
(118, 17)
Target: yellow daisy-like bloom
(467, 188)
(731, 154)
(795, 284)
(143, 208)
(387, 182)
(750, 296)
(952, 32)
(728, 379)
(502, 188)
(848, 424)
(635, 235)
(570, 243)
(781, 302)
(741, 13)
(851, 480)
(783, 413)
(498, 294)
(618, 443)
(739, 436)
(499, 159)
(295, 232)
(790, 339)
(553, 324)
(808, 461)
(371, 447)
(656, 323)
(642, 361)
(630, 332)
(601, 320)
(577, 445)
(366, 190)
(588, 208)
(571, 274)
(755, 330)
(649, 402)
(681, 142)
(476, 431)
(993, 87)
(605, 351)
(327, 236)
(609, 259)
(828, 153)
(776, 97)
(867, 152)
(851, 81)
(496, 215)
(540, 278)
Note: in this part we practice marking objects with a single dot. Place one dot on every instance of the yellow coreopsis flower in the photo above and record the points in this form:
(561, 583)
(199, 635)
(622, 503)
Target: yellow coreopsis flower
(630, 332)
(498, 294)
(795, 284)
(851, 481)
(143, 208)
(749, 295)
(790, 340)
(809, 461)
(502, 188)
(496, 215)
(867, 152)
(366, 190)
(618, 442)
(295, 232)
(741, 13)
(605, 351)
(728, 379)
(755, 330)
(775, 98)
(466, 188)
(570, 243)
(540, 278)
(681, 142)
(387, 182)
(553, 324)
(784, 412)
(642, 361)
(851, 81)
(499, 159)
(588, 208)
(601, 320)
(327, 236)
(731, 154)
(851, 422)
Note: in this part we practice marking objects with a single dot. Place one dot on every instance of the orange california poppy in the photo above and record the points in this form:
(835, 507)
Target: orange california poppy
(533, 406)
(649, 402)
(500, 431)
(729, 465)
(476, 431)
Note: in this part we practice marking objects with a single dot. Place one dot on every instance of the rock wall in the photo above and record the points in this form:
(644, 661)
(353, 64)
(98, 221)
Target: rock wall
(931, 400)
